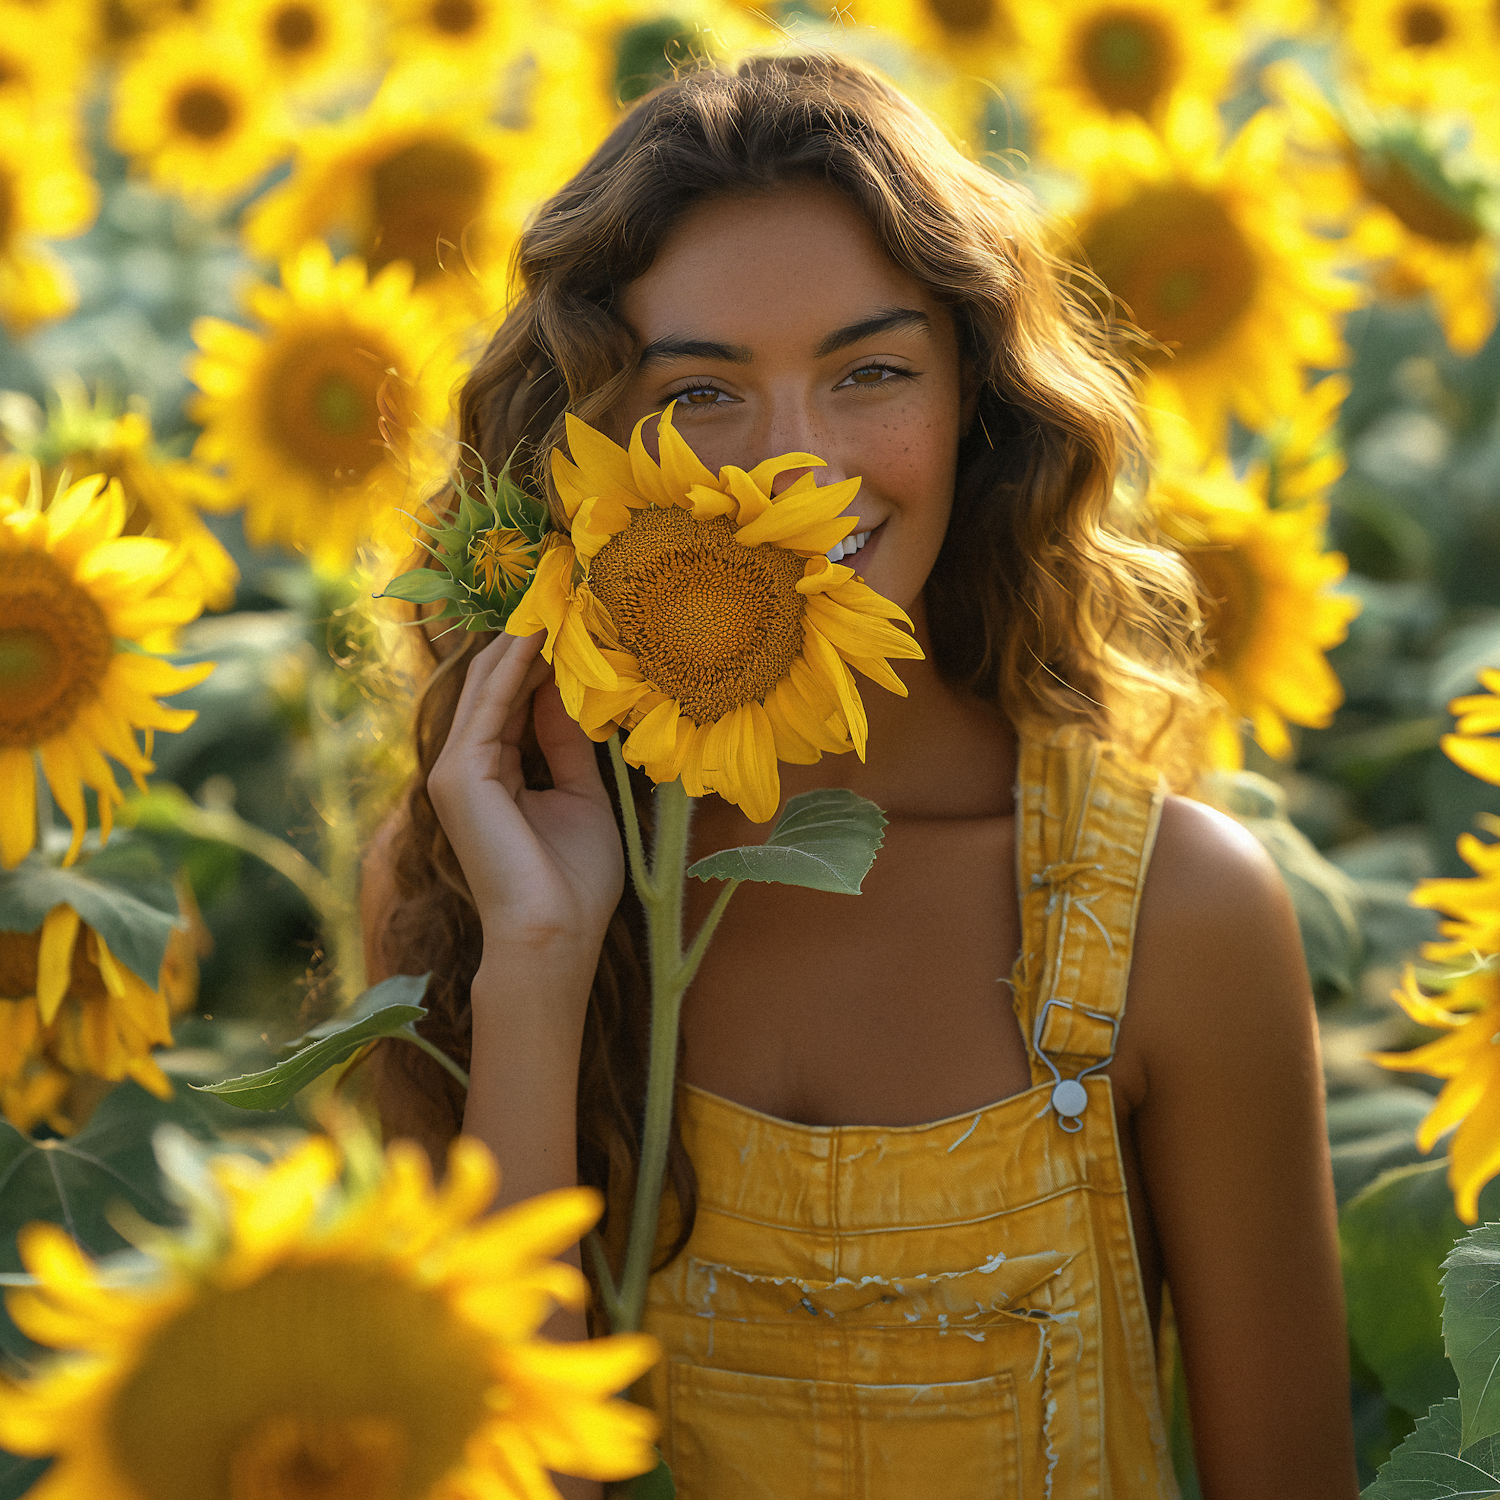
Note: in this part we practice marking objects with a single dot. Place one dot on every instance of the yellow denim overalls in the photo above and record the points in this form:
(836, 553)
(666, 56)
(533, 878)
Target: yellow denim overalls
(949, 1311)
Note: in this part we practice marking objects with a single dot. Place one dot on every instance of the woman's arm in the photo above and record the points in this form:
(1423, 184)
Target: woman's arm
(1234, 1150)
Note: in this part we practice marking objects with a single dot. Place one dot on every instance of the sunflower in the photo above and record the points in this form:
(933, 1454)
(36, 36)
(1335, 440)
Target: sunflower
(1478, 715)
(308, 46)
(707, 620)
(473, 38)
(44, 190)
(1422, 54)
(1472, 905)
(1412, 203)
(303, 1340)
(71, 1008)
(41, 64)
(1268, 615)
(1091, 62)
(76, 599)
(317, 417)
(94, 437)
(1469, 1059)
(407, 180)
(975, 38)
(1209, 256)
(196, 108)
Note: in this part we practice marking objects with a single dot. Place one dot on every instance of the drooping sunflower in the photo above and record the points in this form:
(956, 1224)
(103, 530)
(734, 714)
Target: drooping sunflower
(76, 599)
(303, 1340)
(1471, 744)
(1090, 62)
(84, 436)
(198, 111)
(1210, 256)
(44, 190)
(320, 416)
(71, 1008)
(310, 47)
(1422, 54)
(700, 614)
(1268, 613)
(408, 179)
(1413, 204)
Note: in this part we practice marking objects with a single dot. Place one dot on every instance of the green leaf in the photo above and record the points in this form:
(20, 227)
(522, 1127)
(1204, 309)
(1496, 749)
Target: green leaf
(656, 1484)
(420, 586)
(386, 1009)
(135, 930)
(1432, 1464)
(825, 840)
(1471, 1328)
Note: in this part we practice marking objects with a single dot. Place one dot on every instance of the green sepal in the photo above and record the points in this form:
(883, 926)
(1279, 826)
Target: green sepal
(825, 840)
(1471, 1329)
(1433, 1464)
(386, 1009)
(457, 581)
(657, 1484)
(136, 931)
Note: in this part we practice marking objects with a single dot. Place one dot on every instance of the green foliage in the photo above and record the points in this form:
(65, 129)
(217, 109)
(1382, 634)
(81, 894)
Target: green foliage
(458, 580)
(1432, 1464)
(656, 1485)
(1471, 1328)
(825, 840)
(135, 929)
(386, 1009)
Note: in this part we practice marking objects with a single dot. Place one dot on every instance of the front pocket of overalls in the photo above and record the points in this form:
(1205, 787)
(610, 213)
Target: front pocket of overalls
(765, 1437)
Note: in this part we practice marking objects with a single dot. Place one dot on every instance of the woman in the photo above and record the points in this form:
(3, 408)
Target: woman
(899, 1260)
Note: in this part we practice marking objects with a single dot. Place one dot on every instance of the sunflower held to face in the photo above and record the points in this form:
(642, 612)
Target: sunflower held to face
(700, 614)
(318, 417)
(380, 1341)
(1208, 254)
(1269, 615)
(44, 191)
(1091, 62)
(70, 1008)
(77, 599)
(197, 110)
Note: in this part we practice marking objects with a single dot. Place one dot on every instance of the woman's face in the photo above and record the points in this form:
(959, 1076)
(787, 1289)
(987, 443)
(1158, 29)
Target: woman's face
(777, 323)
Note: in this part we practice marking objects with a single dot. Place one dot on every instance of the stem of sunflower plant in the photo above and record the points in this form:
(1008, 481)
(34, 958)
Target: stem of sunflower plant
(660, 889)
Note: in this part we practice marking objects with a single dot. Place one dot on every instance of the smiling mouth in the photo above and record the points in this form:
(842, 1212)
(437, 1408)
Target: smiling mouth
(840, 551)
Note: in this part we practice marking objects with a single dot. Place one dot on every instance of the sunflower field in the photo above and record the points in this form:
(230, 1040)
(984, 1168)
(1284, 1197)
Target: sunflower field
(248, 250)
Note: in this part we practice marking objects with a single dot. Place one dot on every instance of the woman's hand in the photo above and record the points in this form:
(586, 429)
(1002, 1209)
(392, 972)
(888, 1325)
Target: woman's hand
(545, 868)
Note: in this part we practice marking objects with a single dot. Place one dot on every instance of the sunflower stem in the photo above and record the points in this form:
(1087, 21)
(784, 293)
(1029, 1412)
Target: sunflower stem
(663, 908)
(644, 884)
(609, 1293)
(700, 943)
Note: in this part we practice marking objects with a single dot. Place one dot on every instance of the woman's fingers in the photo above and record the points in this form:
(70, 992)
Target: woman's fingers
(569, 751)
(495, 673)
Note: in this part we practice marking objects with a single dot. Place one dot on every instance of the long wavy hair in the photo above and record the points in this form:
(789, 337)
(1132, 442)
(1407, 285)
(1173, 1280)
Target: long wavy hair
(1046, 598)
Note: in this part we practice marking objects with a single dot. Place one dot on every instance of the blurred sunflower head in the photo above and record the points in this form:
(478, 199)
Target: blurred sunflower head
(76, 600)
(94, 436)
(406, 180)
(700, 613)
(305, 1340)
(310, 47)
(1092, 61)
(318, 415)
(973, 37)
(1208, 254)
(41, 63)
(1268, 614)
(197, 110)
(1473, 744)
(44, 191)
(1472, 906)
(473, 38)
(1421, 54)
(69, 1008)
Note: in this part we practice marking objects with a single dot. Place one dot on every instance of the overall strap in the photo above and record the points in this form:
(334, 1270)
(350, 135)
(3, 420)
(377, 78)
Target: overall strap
(1087, 815)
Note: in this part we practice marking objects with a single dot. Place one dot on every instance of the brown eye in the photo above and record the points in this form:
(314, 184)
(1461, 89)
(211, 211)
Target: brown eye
(871, 375)
(703, 395)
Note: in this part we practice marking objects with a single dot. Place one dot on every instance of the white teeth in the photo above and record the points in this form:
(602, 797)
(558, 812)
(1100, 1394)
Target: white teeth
(861, 538)
(836, 552)
(848, 547)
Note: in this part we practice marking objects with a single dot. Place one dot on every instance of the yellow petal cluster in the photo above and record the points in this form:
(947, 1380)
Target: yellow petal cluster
(699, 613)
(318, 416)
(69, 1008)
(309, 47)
(74, 593)
(320, 1341)
(1471, 745)
(1472, 906)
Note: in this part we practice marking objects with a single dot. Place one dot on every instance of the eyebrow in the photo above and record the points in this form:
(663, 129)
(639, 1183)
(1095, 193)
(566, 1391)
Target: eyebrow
(676, 346)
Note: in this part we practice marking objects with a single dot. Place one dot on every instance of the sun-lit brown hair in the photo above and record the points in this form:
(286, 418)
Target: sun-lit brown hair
(1042, 600)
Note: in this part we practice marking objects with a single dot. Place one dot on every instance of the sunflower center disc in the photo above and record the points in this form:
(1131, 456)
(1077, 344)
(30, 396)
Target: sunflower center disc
(55, 647)
(294, 29)
(455, 17)
(1231, 600)
(1423, 26)
(322, 404)
(713, 624)
(1181, 265)
(204, 112)
(963, 17)
(19, 955)
(300, 1458)
(424, 198)
(1128, 60)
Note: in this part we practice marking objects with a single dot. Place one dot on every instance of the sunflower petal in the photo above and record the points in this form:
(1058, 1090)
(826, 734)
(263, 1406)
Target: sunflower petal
(17, 806)
(54, 963)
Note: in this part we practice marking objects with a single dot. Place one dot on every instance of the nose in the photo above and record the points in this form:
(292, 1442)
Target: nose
(791, 427)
